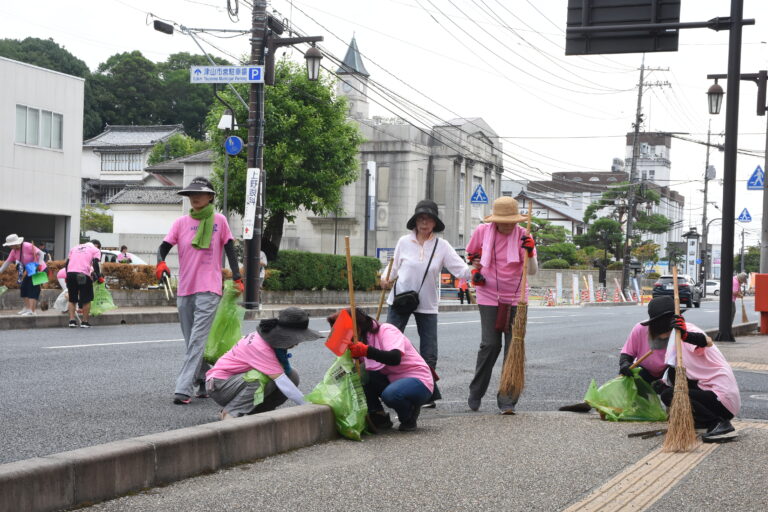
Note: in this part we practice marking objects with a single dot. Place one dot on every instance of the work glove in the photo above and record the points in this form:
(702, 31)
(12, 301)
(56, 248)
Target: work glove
(477, 278)
(358, 349)
(161, 269)
(529, 244)
(658, 386)
(678, 322)
(239, 285)
(101, 279)
(625, 361)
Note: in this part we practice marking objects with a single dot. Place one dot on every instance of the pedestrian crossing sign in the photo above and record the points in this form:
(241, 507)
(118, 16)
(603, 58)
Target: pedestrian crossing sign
(757, 180)
(745, 216)
(479, 196)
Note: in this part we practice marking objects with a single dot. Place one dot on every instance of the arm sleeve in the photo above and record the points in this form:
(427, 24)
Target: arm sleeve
(229, 249)
(66, 265)
(698, 339)
(453, 262)
(5, 265)
(533, 265)
(96, 268)
(41, 258)
(289, 389)
(163, 250)
(395, 260)
(475, 241)
(387, 357)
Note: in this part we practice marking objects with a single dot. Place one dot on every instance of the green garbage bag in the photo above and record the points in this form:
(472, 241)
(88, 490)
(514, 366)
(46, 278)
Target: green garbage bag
(226, 329)
(102, 300)
(342, 390)
(256, 375)
(626, 399)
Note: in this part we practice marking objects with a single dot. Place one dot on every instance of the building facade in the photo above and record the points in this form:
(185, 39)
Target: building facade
(40, 155)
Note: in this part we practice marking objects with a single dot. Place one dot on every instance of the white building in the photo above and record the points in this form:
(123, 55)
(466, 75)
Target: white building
(40, 155)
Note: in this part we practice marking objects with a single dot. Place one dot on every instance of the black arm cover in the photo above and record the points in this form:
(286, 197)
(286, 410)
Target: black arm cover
(696, 338)
(388, 357)
(626, 360)
(229, 249)
(96, 268)
(66, 264)
(163, 251)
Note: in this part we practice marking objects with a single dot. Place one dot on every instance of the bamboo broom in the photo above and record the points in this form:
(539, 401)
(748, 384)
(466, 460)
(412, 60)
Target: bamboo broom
(681, 435)
(744, 317)
(513, 371)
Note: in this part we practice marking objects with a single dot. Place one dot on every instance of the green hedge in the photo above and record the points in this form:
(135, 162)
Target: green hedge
(296, 270)
(556, 263)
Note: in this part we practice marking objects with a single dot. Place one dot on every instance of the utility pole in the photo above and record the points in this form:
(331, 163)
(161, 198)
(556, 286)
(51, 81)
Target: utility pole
(742, 250)
(705, 253)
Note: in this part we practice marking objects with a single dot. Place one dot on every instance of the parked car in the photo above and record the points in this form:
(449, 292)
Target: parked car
(109, 256)
(713, 287)
(690, 293)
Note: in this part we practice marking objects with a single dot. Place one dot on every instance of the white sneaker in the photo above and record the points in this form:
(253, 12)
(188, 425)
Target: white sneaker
(23, 311)
(29, 313)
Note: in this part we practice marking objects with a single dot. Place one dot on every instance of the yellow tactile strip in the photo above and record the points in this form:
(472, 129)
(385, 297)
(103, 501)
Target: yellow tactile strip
(643, 483)
(750, 366)
(750, 424)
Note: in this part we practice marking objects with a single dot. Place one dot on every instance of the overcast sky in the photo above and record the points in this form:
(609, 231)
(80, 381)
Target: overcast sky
(502, 60)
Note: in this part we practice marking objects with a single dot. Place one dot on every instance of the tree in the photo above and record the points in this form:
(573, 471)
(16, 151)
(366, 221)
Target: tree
(751, 259)
(176, 146)
(604, 233)
(547, 233)
(647, 252)
(127, 88)
(561, 250)
(310, 150)
(615, 200)
(95, 218)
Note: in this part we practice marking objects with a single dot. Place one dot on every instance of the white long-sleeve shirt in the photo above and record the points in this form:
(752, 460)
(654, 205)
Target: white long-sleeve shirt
(410, 261)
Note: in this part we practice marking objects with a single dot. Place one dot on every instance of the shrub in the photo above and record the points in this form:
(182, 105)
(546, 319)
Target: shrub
(652, 275)
(556, 263)
(297, 270)
(616, 265)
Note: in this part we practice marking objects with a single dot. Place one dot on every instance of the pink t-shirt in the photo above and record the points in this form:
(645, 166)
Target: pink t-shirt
(502, 278)
(29, 253)
(637, 345)
(708, 366)
(126, 256)
(412, 364)
(250, 353)
(81, 256)
(199, 269)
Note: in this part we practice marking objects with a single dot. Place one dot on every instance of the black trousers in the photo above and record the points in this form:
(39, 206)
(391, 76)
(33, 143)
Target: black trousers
(707, 409)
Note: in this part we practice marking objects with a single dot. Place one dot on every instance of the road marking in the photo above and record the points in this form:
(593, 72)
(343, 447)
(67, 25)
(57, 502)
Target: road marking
(750, 366)
(645, 482)
(115, 343)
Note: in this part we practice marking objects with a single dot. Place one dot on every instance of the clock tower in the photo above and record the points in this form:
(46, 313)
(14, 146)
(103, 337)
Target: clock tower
(353, 82)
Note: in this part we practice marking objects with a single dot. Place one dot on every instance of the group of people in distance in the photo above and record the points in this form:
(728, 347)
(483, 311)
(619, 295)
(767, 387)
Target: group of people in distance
(400, 376)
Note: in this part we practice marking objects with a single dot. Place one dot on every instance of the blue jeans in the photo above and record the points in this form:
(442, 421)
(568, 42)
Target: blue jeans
(426, 325)
(404, 395)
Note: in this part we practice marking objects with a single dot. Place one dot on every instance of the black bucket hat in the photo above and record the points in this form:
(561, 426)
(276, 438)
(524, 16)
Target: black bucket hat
(659, 307)
(428, 207)
(290, 328)
(198, 184)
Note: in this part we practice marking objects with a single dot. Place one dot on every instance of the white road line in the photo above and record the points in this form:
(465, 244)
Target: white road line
(115, 343)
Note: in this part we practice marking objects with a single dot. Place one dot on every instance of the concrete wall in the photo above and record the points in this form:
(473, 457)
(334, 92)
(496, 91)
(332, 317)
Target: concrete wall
(34, 179)
(150, 219)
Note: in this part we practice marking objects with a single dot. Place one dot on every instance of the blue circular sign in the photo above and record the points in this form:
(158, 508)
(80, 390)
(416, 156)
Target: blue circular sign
(233, 145)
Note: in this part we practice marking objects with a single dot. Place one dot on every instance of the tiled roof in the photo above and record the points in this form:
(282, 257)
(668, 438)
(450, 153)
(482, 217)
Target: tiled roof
(205, 156)
(353, 62)
(177, 164)
(147, 195)
(129, 135)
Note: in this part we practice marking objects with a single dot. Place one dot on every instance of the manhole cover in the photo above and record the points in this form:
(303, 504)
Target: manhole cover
(759, 397)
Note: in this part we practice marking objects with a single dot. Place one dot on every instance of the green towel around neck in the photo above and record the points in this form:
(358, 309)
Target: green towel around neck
(204, 233)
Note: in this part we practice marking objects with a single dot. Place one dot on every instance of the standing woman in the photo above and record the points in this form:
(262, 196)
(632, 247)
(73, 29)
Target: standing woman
(201, 237)
(419, 257)
(501, 244)
(26, 256)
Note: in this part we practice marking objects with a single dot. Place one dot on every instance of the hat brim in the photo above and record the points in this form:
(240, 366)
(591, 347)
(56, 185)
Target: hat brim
(18, 241)
(282, 337)
(646, 322)
(506, 219)
(439, 226)
(187, 192)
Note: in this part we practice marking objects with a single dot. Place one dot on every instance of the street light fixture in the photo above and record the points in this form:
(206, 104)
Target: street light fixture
(313, 57)
(715, 96)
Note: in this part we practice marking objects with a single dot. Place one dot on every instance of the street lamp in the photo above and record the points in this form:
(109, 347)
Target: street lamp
(313, 58)
(715, 96)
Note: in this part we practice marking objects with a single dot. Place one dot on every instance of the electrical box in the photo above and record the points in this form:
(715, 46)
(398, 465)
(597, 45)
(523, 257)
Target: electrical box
(761, 292)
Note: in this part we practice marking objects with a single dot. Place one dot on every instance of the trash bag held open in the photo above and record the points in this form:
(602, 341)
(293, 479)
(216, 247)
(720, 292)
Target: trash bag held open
(226, 329)
(342, 390)
(626, 399)
(102, 300)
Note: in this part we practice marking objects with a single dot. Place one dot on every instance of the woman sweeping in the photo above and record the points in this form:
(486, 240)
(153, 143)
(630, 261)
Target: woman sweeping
(419, 257)
(499, 249)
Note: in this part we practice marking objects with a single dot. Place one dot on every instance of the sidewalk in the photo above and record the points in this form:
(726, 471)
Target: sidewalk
(456, 460)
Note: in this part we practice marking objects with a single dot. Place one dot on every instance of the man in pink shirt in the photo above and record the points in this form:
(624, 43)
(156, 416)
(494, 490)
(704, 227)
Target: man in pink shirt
(82, 269)
(26, 256)
(201, 237)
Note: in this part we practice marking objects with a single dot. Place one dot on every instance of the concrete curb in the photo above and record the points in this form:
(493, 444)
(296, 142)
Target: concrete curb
(606, 304)
(736, 329)
(102, 472)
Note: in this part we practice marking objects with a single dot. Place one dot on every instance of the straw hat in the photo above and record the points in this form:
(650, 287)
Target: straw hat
(290, 328)
(505, 211)
(13, 239)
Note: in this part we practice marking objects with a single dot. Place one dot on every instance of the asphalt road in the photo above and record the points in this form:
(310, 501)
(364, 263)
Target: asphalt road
(69, 388)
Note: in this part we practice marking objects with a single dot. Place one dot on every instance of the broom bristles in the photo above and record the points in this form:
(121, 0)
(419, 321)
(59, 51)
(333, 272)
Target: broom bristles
(513, 371)
(681, 435)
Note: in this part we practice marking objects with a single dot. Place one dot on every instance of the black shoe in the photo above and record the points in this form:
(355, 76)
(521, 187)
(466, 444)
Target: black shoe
(202, 392)
(409, 425)
(429, 405)
(474, 403)
(180, 399)
(85, 325)
(380, 421)
(580, 407)
(73, 324)
(720, 432)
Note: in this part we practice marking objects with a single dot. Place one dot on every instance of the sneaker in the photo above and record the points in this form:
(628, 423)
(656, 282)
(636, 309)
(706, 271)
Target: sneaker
(409, 425)
(509, 411)
(73, 323)
(474, 403)
(721, 432)
(29, 313)
(429, 405)
(379, 421)
(22, 312)
(201, 391)
(181, 399)
(85, 325)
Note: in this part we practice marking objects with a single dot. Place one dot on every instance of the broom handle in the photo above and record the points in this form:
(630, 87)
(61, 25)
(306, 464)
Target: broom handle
(643, 358)
(383, 291)
(678, 339)
(351, 284)
(524, 284)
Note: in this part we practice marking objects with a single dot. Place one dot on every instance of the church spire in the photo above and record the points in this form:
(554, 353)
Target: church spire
(353, 62)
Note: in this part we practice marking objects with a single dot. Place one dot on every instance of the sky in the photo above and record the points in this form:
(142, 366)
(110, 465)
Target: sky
(501, 60)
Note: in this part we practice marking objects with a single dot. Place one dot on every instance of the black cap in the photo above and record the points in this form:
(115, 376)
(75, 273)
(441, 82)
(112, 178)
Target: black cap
(198, 184)
(428, 207)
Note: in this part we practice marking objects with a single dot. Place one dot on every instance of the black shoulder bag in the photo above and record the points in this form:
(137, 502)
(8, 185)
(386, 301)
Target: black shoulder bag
(406, 303)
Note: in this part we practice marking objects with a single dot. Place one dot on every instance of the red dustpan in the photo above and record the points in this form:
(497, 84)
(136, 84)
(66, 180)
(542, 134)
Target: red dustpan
(341, 334)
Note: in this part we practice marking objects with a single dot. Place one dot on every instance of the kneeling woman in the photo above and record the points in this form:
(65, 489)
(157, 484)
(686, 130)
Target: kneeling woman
(233, 384)
(396, 373)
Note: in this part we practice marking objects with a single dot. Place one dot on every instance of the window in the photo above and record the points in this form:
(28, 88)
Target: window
(121, 162)
(36, 127)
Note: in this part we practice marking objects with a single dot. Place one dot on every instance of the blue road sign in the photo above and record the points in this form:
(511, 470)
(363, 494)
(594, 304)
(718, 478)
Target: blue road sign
(226, 74)
(478, 196)
(757, 180)
(745, 216)
(233, 145)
